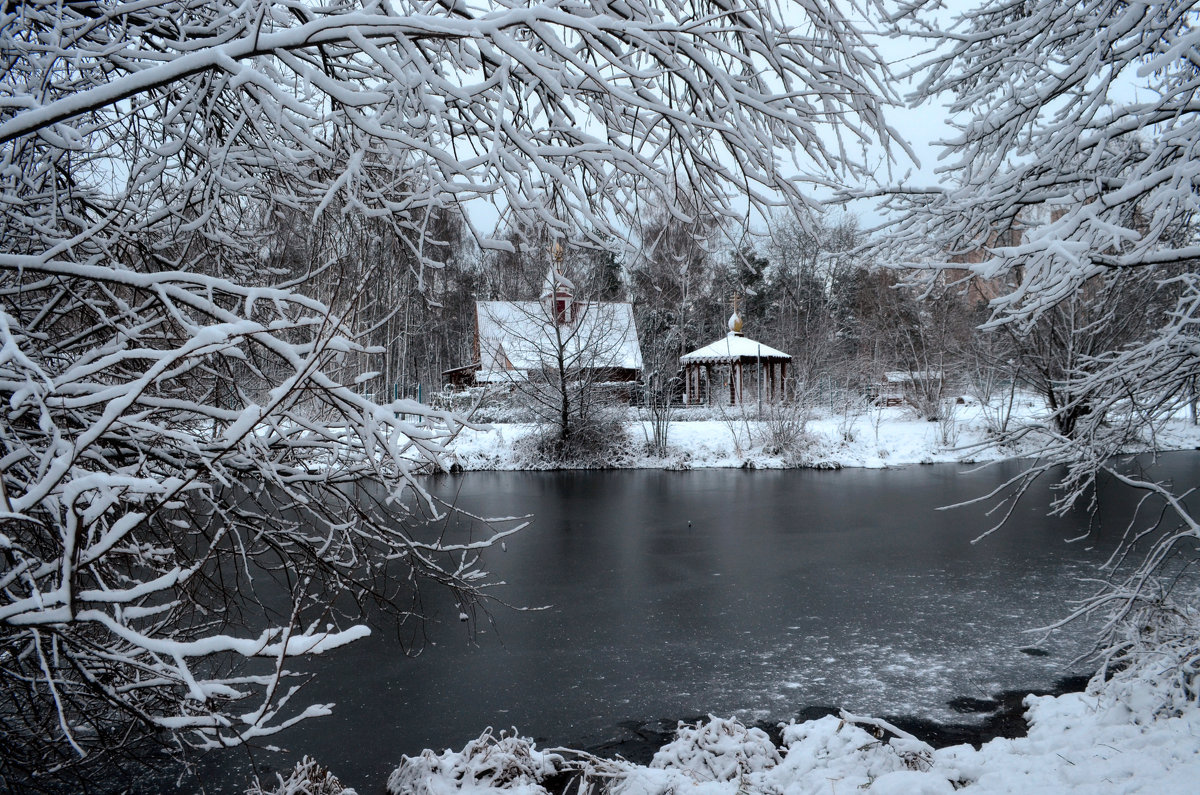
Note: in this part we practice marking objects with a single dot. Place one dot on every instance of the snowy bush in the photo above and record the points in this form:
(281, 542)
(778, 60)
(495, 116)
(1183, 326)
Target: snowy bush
(507, 762)
(782, 430)
(698, 413)
(824, 755)
(849, 408)
(595, 441)
(717, 750)
(306, 778)
(1152, 663)
(949, 424)
(837, 749)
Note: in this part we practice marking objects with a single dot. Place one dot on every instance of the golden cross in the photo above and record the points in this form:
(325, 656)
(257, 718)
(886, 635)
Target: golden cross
(734, 299)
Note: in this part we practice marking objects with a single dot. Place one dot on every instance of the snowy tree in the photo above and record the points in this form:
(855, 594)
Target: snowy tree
(176, 501)
(1073, 173)
(808, 257)
(674, 281)
(180, 434)
(569, 362)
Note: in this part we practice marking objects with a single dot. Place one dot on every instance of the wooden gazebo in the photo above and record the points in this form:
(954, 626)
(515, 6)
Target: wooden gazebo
(733, 358)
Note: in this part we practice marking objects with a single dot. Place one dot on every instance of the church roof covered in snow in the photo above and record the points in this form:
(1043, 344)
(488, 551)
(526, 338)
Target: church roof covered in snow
(523, 335)
(731, 348)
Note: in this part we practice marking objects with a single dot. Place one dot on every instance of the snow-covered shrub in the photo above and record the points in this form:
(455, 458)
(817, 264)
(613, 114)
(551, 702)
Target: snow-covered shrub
(924, 395)
(697, 413)
(949, 427)
(848, 408)
(592, 441)
(306, 778)
(783, 429)
(492, 403)
(505, 762)
(1153, 664)
(659, 413)
(717, 750)
(836, 749)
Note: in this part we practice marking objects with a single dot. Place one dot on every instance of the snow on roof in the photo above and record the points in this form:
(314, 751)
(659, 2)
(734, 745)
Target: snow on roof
(521, 335)
(730, 348)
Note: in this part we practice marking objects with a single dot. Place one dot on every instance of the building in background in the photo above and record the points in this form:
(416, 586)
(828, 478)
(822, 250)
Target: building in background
(722, 370)
(516, 341)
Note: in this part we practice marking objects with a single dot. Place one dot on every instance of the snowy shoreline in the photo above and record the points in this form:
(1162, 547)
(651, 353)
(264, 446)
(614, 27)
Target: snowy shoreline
(1092, 742)
(877, 439)
(1001, 715)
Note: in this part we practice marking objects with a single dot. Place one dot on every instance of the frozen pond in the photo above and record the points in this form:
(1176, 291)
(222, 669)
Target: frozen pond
(674, 594)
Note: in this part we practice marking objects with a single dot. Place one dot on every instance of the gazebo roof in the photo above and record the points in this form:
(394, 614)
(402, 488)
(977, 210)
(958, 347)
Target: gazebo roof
(733, 348)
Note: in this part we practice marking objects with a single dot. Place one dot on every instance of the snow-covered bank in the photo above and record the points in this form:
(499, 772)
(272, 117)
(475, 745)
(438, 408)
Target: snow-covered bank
(1077, 743)
(876, 438)
(1120, 737)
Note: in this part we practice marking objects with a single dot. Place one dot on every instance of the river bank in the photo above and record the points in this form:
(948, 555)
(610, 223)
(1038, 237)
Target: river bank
(1101, 741)
(1089, 742)
(875, 438)
(1003, 716)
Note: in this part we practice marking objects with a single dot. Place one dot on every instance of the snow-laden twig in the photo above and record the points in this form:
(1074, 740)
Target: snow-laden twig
(1070, 202)
(169, 464)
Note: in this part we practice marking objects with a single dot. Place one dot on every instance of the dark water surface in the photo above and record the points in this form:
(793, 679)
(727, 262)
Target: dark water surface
(761, 593)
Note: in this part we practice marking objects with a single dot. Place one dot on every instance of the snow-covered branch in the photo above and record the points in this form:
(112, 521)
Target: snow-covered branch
(180, 186)
(1076, 150)
(1070, 200)
(396, 109)
(174, 452)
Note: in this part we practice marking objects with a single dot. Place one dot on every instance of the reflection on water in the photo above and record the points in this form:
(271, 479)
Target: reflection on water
(674, 594)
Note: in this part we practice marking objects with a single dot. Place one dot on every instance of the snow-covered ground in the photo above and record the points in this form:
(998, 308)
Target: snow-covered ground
(877, 437)
(1097, 743)
(1077, 743)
